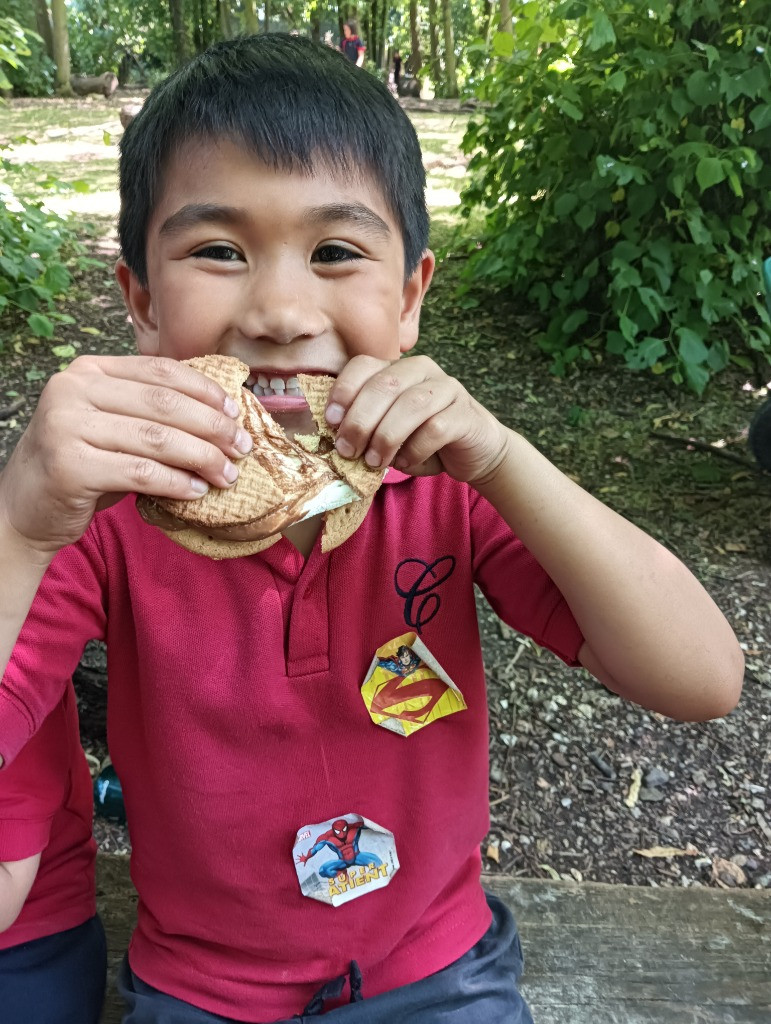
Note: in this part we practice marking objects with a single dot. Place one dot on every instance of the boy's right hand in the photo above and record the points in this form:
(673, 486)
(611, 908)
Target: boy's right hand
(109, 425)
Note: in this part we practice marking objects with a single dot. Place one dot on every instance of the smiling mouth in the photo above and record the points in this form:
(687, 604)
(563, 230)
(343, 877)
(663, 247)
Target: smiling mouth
(275, 384)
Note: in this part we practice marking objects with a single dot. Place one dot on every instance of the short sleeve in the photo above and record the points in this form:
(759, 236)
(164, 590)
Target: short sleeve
(32, 788)
(519, 590)
(67, 612)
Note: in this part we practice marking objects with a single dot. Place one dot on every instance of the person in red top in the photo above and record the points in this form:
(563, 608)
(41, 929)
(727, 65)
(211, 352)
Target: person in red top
(353, 48)
(255, 223)
(53, 956)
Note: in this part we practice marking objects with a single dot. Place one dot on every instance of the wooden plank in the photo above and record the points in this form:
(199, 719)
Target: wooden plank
(595, 954)
(606, 954)
(116, 900)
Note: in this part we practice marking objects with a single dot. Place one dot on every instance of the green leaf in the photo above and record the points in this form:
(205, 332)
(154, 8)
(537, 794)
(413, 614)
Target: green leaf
(571, 109)
(602, 32)
(650, 350)
(503, 44)
(565, 204)
(80, 185)
(703, 88)
(691, 349)
(574, 321)
(40, 325)
(585, 217)
(697, 377)
(761, 116)
(56, 278)
(64, 351)
(709, 172)
(628, 327)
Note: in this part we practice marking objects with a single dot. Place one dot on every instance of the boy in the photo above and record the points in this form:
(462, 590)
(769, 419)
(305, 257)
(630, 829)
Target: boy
(53, 957)
(255, 224)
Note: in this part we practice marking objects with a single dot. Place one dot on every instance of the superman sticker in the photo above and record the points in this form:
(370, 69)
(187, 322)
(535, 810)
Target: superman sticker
(406, 688)
(344, 858)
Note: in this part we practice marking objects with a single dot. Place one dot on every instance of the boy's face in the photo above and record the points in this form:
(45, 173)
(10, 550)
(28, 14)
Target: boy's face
(289, 273)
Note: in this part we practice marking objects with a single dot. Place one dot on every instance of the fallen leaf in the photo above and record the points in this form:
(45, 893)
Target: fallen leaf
(551, 872)
(493, 852)
(668, 851)
(727, 874)
(634, 789)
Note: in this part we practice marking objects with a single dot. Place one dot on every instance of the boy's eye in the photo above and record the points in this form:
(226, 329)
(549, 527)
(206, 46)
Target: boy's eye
(225, 253)
(331, 253)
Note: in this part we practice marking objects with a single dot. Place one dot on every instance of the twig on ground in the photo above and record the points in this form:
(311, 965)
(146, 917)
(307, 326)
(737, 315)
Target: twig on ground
(705, 446)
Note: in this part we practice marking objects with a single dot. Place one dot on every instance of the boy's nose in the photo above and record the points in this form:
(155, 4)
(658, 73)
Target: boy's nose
(281, 311)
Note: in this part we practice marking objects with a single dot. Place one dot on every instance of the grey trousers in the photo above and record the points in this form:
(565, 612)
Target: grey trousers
(479, 987)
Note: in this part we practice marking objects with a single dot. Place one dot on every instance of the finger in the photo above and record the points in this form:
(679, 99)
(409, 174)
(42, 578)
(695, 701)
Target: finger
(120, 473)
(164, 406)
(379, 394)
(158, 443)
(348, 383)
(417, 424)
(158, 371)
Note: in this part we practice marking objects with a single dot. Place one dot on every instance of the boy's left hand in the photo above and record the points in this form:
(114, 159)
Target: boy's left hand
(409, 413)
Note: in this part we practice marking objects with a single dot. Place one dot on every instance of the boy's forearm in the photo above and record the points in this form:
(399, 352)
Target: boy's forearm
(652, 632)
(16, 878)
(21, 570)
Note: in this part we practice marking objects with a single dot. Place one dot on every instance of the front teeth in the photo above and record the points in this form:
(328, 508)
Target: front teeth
(265, 385)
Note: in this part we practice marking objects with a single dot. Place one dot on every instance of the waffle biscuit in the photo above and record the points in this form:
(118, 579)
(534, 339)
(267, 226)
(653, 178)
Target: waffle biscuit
(276, 480)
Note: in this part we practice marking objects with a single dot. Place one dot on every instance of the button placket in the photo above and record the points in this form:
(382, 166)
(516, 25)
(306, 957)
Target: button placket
(308, 634)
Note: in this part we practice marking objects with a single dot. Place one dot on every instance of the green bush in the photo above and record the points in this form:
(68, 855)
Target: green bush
(32, 271)
(624, 168)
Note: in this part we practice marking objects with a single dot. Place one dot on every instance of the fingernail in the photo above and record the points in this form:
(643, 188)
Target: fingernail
(243, 442)
(345, 448)
(198, 486)
(230, 407)
(230, 473)
(372, 458)
(334, 415)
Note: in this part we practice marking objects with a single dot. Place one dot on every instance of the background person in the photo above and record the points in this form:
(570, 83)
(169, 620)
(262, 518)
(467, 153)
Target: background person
(353, 48)
(53, 957)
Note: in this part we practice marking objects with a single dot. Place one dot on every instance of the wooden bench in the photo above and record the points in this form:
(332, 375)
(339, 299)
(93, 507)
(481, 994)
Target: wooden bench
(596, 954)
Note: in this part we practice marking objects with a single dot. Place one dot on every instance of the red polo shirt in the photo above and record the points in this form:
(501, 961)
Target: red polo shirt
(235, 717)
(46, 804)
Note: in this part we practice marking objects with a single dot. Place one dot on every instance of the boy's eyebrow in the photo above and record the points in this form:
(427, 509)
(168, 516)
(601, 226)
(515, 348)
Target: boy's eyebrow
(355, 213)
(202, 213)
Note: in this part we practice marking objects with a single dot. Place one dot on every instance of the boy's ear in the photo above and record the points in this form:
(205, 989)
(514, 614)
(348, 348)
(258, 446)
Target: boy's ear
(139, 303)
(412, 301)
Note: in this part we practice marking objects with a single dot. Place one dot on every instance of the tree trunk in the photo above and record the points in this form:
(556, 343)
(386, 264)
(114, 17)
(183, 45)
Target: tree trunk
(385, 56)
(43, 26)
(61, 47)
(179, 31)
(451, 79)
(505, 22)
(250, 18)
(487, 20)
(415, 62)
(433, 46)
(315, 20)
(266, 17)
(226, 27)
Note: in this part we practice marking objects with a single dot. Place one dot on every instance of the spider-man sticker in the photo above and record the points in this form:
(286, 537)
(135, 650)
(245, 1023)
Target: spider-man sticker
(344, 858)
(406, 688)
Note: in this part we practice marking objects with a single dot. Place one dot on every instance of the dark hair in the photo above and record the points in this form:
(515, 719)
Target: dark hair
(294, 103)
